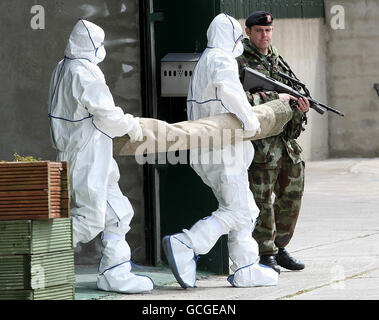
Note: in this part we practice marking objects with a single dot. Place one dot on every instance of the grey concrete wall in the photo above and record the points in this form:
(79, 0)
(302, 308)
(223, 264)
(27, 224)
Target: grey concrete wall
(302, 43)
(28, 58)
(353, 59)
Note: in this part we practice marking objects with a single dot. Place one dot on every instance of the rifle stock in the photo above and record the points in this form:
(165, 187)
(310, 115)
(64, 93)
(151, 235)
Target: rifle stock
(256, 81)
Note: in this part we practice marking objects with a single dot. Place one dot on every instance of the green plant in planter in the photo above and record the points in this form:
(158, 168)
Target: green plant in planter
(19, 158)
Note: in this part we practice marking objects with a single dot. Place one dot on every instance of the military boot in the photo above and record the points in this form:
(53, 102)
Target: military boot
(285, 260)
(269, 260)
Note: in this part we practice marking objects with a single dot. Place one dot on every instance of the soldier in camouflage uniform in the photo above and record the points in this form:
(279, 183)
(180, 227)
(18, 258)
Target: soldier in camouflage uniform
(277, 167)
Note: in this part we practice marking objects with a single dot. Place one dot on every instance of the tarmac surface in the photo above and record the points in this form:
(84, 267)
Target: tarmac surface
(337, 237)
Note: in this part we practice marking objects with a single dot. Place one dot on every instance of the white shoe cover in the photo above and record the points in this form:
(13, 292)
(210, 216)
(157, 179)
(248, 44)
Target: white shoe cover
(120, 279)
(253, 276)
(115, 268)
(204, 234)
(181, 258)
(243, 251)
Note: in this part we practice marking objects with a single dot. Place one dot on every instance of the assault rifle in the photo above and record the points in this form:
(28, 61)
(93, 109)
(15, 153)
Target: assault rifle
(254, 81)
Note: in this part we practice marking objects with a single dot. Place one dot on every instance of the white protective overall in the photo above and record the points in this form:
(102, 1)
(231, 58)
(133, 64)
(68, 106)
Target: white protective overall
(215, 88)
(83, 121)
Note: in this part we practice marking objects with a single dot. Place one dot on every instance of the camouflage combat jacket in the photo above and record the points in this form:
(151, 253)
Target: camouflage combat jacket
(268, 151)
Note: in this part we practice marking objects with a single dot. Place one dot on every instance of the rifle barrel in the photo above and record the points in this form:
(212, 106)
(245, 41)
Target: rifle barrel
(259, 80)
(287, 77)
(326, 107)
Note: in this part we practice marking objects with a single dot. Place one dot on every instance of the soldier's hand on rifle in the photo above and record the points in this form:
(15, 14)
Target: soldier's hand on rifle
(302, 103)
(287, 97)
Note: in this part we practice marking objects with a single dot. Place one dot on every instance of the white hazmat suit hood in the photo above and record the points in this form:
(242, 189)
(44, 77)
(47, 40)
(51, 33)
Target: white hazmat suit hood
(83, 121)
(87, 42)
(215, 88)
(225, 33)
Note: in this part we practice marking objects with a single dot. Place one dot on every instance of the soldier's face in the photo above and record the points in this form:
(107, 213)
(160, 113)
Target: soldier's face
(260, 36)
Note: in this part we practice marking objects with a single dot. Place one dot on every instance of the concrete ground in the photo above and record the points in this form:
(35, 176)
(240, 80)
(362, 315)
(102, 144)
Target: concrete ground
(337, 237)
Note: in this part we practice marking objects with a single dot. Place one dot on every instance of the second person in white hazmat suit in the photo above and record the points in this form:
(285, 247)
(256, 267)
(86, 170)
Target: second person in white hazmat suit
(83, 121)
(215, 88)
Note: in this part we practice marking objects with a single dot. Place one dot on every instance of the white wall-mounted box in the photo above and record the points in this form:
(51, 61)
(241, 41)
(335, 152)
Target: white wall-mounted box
(176, 72)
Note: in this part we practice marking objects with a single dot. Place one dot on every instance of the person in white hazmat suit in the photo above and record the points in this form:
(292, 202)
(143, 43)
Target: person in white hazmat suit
(215, 88)
(83, 121)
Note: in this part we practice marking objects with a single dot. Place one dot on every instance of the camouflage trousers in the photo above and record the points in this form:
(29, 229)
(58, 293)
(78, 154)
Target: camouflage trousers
(277, 220)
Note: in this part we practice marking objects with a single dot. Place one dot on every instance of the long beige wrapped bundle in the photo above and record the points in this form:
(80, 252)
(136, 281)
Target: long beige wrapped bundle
(219, 130)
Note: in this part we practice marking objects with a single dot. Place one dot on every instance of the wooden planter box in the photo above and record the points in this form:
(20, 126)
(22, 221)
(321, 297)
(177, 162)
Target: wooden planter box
(63, 292)
(35, 236)
(37, 259)
(34, 190)
(36, 271)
